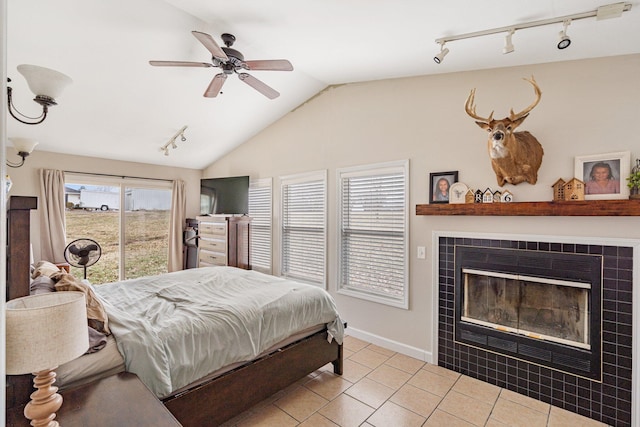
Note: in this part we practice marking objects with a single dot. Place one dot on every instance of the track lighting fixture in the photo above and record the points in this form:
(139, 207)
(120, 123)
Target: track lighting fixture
(24, 147)
(46, 84)
(172, 141)
(614, 10)
(443, 52)
(508, 43)
(565, 41)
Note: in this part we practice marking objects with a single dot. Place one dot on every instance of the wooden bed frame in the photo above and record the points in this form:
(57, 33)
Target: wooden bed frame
(210, 403)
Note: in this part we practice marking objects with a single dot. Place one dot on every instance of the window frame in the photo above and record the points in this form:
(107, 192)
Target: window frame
(300, 179)
(373, 170)
(262, 184)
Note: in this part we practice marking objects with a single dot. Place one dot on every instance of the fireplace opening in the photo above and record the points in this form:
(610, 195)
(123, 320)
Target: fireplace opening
(536, 306)
(552, 310)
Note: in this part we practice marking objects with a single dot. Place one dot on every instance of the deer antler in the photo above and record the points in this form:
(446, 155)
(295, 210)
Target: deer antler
(470, 108)
(514, 116)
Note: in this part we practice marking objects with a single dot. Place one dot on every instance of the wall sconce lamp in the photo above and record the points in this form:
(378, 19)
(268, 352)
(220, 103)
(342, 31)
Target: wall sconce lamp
(614, 10)
(46, 84)
(24, 147)
(44, 331)
(172, 141)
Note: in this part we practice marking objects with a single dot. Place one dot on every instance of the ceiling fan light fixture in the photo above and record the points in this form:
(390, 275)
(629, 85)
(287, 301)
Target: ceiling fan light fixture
(230, 61)
(440, 56)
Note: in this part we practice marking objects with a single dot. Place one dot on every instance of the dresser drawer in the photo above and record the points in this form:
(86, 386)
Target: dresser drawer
(213, 258)
(217, 228)
(213, 245)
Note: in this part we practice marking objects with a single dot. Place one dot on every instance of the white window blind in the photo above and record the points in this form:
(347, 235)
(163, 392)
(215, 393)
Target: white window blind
(260, 210)
(303, 231)
(373, 233)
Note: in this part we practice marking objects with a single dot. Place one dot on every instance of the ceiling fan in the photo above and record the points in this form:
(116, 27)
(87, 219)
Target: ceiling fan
(230, 61)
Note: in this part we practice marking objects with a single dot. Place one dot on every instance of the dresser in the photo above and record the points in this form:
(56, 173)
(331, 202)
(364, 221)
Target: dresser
(224, 240)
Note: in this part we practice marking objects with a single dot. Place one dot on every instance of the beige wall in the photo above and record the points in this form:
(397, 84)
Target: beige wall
(26, 183)
(588, 107)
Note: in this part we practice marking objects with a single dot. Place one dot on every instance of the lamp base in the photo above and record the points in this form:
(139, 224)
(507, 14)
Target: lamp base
(45, 401)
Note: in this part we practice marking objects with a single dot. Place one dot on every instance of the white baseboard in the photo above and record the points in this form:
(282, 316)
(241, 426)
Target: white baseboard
(407, 350)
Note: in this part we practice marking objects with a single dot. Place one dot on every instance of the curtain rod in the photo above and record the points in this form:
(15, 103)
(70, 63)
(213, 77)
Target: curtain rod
(118, 176)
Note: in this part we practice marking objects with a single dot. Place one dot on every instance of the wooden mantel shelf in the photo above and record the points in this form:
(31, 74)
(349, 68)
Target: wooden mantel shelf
(582, 208)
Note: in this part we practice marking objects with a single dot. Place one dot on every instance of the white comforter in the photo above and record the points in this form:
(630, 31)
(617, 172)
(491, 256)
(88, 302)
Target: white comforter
(175, 328)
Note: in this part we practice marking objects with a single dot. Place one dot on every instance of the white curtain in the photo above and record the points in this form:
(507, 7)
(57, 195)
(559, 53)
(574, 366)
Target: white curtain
(176, 227)
(52, 222)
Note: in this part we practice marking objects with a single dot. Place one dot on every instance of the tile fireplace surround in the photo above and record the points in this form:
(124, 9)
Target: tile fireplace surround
(610, 400)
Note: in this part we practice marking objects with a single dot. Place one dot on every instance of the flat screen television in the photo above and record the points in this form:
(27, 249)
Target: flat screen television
(228, 195)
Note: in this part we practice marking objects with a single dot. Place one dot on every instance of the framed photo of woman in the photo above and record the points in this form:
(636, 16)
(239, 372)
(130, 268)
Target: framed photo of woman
(604, 175)
(440, 184)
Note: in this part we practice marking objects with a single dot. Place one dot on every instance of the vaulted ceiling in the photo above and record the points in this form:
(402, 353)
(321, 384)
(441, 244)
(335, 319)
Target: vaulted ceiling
(120, 107)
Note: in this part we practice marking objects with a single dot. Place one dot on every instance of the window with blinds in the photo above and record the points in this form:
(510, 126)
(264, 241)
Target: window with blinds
(303, 230)
(260, 210)
(373, 239)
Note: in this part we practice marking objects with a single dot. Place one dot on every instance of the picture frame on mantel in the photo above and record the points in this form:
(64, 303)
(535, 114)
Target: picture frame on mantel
(439, 185)
(604, 175)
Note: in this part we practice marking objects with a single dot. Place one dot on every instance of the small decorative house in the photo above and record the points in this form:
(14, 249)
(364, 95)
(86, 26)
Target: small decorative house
(573, 189)
(470, 197)
(497, 196)
(487, 196)
(506, 196)
(478, 196)
(568, 190)
(558, 190)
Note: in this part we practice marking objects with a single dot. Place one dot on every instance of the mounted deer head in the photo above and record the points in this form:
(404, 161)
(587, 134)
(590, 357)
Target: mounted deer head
(515, 156)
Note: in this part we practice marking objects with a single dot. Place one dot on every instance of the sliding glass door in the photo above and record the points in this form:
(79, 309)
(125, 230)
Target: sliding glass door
(128, 218)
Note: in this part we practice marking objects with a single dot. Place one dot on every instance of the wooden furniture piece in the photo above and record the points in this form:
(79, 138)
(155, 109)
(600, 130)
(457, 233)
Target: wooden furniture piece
(209, 403)
(118, 400)
(232, 393)
(224, 240)
(575, 208)
(19, 244)
(18, 387)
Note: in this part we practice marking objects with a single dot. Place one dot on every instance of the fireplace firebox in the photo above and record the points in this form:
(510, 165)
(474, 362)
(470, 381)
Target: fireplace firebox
(542, 307)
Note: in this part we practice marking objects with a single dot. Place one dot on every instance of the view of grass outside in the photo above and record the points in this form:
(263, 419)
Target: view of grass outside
(146, 242)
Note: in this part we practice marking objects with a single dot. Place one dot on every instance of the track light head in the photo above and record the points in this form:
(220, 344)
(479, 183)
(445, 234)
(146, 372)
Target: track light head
(443, 52)
(508, 44)
(565, 40)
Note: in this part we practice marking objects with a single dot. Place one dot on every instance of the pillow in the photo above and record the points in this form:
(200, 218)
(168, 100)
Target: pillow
(44, 268)
(96, 314)
(41, 285)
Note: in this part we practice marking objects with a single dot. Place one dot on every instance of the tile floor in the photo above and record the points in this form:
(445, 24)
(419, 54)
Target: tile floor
(386, 389)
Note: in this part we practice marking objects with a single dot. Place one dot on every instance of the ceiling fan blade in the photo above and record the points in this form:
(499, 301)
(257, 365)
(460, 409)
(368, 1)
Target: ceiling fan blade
(179, 64)
(270, 64)
(215, 85)
(210, 44)
(261, 87)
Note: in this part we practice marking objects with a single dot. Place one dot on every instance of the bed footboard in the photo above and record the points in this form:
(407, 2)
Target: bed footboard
(232, 393)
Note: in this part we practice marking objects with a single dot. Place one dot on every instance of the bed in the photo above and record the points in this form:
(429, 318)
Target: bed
(264, 364)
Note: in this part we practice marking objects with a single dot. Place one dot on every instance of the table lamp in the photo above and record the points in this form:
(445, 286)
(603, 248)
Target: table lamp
(42, 332)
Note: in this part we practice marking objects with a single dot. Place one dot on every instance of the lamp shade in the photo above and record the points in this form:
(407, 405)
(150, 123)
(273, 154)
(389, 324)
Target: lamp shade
(44, 81)
(23, 145)
(44, 331)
